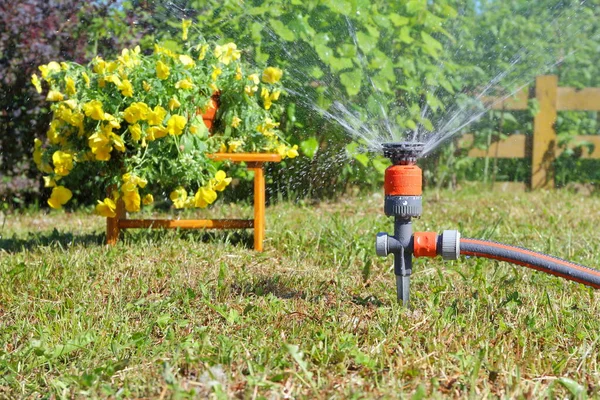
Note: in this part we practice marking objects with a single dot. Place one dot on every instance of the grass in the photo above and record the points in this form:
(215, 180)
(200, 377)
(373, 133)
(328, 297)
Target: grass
(193, 314)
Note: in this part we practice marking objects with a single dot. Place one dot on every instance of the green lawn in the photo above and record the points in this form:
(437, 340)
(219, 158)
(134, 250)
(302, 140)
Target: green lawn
(185, 314)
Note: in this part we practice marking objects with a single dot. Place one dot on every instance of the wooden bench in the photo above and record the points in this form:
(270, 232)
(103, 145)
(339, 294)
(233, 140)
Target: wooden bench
(255, 163)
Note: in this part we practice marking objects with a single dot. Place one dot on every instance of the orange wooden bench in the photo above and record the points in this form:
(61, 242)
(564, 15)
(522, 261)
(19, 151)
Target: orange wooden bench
(254, 161)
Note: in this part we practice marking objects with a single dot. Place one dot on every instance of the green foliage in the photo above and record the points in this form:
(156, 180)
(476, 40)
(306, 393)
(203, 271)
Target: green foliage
(380, 59)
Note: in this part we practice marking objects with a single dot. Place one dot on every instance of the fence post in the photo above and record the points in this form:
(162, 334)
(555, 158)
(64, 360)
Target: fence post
(544, 136)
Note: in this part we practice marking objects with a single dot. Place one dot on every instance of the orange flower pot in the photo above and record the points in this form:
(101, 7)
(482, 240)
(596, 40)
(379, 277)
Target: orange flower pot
(209, 115)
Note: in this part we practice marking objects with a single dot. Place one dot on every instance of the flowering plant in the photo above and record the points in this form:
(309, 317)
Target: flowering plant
(136, 122)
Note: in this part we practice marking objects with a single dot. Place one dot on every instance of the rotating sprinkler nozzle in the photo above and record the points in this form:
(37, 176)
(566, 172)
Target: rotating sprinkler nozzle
(403, 190)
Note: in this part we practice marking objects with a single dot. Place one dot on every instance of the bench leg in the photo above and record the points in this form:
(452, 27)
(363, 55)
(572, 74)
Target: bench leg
(259, 207)
(112, 224)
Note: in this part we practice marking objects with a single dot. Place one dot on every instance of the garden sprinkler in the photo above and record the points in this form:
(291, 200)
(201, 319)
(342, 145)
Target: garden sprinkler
(403, 200)
(403, 190)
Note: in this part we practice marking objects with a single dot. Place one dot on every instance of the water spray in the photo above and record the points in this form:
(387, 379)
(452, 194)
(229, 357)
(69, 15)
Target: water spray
(403, 201)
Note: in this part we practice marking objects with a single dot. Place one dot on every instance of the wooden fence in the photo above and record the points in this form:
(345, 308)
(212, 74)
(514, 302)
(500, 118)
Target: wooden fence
(542, 146)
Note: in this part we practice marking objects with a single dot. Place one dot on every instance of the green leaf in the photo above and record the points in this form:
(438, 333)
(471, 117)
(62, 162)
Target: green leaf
(343, 7)
(347, 50)
(573, 387)
(398, 20)
(382, 83)
(366, 42)
(338, 64)
(309, 146)
(362, 158)
(404, 36)
(282, 31)
(430, 41)
(351, 81)
(414, 6)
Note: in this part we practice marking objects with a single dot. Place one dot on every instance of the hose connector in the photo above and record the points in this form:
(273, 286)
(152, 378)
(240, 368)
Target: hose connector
(450, 249)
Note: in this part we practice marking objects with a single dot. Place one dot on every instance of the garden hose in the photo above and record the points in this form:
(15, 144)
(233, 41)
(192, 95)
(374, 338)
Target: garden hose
(530, 259)
(403, 201)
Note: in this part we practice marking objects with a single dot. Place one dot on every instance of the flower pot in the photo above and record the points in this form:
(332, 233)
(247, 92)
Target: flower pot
(209, 115)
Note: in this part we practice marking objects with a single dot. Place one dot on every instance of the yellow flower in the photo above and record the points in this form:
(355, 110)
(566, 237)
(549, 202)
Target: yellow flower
(129, 58)
(112, 121)
(52, 134)
(254, 78)
(227, 53)
(117, 142)
(156, 116)
(184, 84)
(250, 90)
(281, 150)
(99, 65)
(106, 208)
(64, 66)
(63, 162)
(238, 73)
(156, 132)
(136, 111)
(268, 98)
(60, 196)
(216, 72)
(132, 200)
(86, 79)
(111, 66)
(174, 103)
(70, 86)
(234, 145)
(72, 103)
(175, 124)
(292, 152)
(113, 79)
(178, 197)
(185, 25)
(220, 181)
(235, 122)
(204, 196)
(100, 145)
(272, 75)
(202, 52)
(147, 86)
(36, 83)
(187, 61)
(266, 128)
(136, 132)
(49, 69)
(93, 109)
(163, 50)
(37, 152)
(148, 199)
(162, 70)
(213, 87)
(55, 95)
(49, 182)
(130, 178)
(126, 88)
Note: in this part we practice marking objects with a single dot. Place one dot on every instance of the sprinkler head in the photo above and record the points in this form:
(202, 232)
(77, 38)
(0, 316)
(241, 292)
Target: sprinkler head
(403, 153)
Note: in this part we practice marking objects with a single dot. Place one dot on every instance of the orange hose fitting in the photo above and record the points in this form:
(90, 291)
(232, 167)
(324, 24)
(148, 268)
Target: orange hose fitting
(403, 180)
(425, 244)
